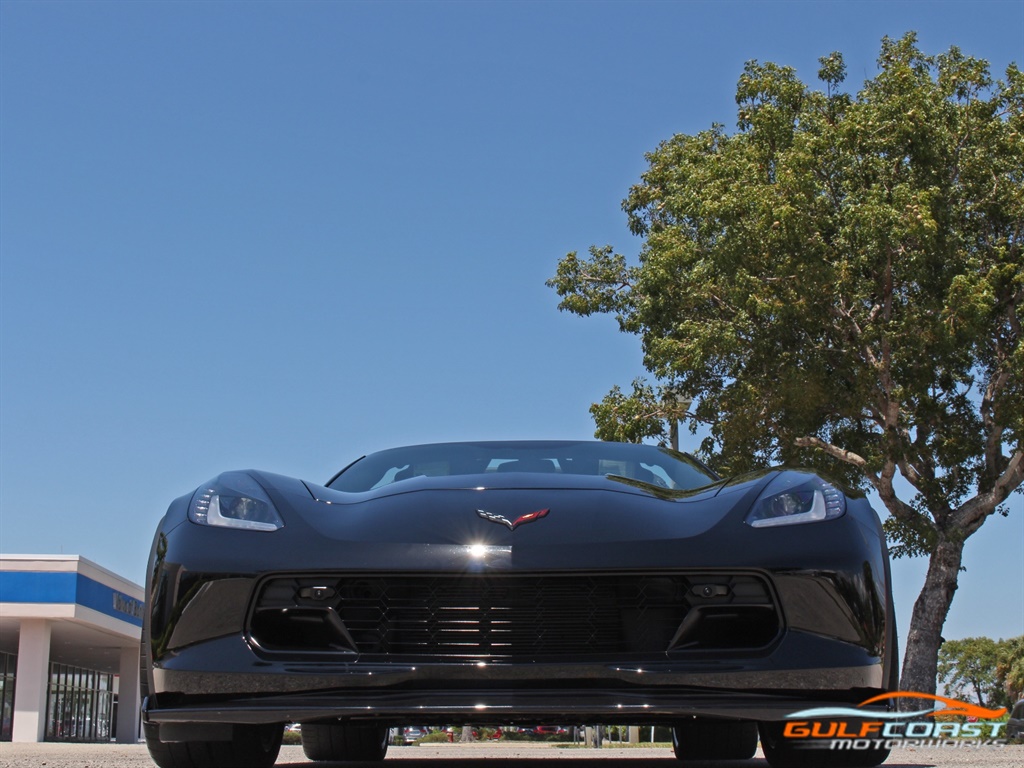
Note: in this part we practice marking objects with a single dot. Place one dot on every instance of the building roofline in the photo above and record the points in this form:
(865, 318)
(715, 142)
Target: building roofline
(81, 565)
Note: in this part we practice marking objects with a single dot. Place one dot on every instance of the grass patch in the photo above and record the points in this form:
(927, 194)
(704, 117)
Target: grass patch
(434, 737)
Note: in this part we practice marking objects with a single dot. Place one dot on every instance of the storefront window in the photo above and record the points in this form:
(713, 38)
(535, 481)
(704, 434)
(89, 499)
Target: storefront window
(79, 704)
(8, 667)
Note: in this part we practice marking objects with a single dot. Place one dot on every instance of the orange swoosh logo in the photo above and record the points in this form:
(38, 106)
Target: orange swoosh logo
(953, 707)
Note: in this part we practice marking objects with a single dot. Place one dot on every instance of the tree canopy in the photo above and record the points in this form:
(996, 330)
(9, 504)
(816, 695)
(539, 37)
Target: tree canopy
(839, 283)
(983, 670)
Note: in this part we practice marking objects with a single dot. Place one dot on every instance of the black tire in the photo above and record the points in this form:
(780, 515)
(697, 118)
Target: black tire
(334, 741)
(702, 738)
(781, 753)
(251, 746)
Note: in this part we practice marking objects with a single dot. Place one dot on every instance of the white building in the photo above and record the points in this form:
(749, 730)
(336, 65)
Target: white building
(69, 650)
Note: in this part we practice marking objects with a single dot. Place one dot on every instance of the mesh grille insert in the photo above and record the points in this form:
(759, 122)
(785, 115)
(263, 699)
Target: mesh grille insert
(513, 615)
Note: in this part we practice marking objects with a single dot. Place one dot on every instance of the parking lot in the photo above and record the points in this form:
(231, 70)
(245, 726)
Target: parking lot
(508, 755)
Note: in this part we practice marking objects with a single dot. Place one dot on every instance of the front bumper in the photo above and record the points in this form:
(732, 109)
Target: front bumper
(827, 583)
(443, 707)
(194, 686)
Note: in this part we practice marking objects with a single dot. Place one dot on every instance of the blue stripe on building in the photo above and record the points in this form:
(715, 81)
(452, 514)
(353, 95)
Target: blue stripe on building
(50, 587)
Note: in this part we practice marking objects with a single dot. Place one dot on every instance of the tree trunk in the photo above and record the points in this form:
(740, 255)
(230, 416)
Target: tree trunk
(920, 662)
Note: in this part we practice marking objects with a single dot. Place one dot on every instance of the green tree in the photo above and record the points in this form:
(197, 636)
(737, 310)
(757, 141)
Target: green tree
(839, 283)
(967, 669)
(991, 672)
(1010, 669)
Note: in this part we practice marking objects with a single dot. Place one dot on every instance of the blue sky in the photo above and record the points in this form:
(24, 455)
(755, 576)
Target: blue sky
(281, 235)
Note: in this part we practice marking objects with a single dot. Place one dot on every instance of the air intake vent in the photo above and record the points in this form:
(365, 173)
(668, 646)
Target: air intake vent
(513, 615)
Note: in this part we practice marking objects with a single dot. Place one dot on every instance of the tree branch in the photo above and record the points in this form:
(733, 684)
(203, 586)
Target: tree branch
(832, 450)
(887, 493)
(972, 513)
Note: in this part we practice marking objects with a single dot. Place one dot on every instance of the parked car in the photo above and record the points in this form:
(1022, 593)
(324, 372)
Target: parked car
(1015, 724)
(545, 581)
(412, 734)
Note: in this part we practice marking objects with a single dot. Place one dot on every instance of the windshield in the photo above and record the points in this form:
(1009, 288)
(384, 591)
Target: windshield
(645, 463)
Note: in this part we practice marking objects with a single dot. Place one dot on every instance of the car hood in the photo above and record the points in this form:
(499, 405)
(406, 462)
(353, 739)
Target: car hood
(498, 511)
(431, 524)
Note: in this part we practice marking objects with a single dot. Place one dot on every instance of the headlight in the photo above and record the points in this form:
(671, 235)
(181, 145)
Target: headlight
(796, 497)
(234, 500)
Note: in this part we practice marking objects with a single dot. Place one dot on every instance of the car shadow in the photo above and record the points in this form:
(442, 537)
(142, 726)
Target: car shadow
(563, 762)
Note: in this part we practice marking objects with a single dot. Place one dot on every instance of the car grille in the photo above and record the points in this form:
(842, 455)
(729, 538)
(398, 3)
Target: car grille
(512, 615)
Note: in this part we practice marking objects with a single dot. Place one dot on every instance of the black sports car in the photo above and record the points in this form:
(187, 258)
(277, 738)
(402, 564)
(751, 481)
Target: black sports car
(511, 583)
